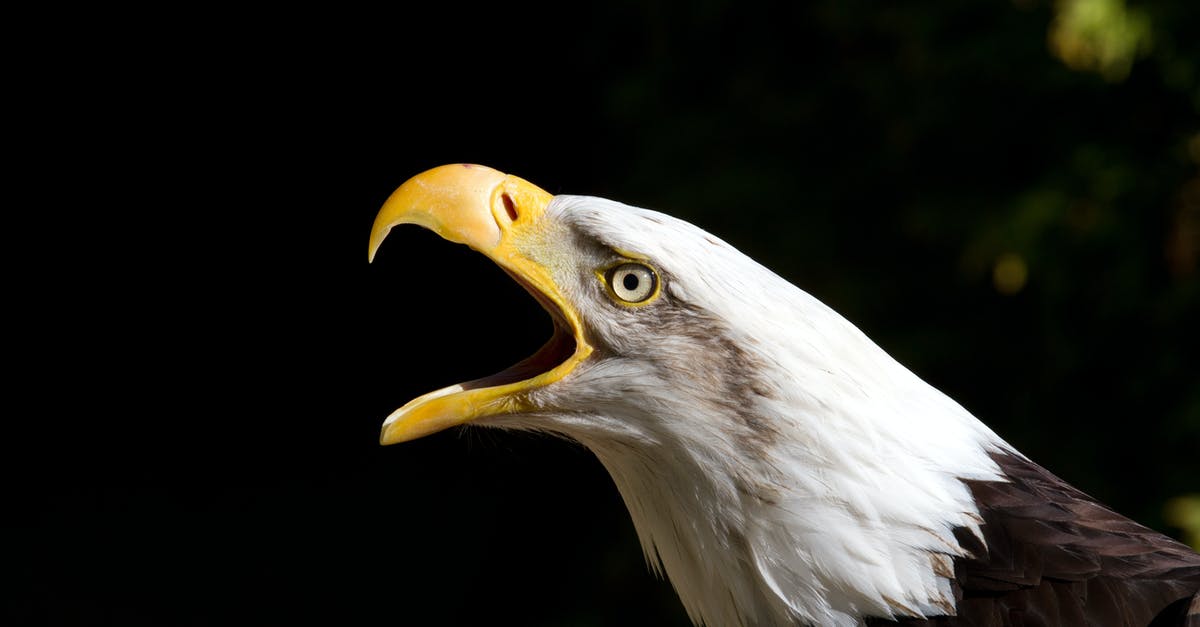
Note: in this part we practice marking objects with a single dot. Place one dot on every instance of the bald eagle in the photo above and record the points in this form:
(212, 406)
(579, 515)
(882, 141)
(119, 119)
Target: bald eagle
(778, 465)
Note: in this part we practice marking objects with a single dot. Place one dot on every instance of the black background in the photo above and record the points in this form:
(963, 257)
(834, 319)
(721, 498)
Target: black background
(201, 356)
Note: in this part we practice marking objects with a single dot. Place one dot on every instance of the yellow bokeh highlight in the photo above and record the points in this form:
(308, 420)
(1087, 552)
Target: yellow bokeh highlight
(1184, 512)
(1009, 273)
(1102, 36)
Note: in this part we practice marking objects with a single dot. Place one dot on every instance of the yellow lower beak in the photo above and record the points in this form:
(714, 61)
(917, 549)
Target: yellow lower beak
(495, 214)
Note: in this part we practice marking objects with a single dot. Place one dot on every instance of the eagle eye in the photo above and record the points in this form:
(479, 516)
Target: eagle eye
(632, 283)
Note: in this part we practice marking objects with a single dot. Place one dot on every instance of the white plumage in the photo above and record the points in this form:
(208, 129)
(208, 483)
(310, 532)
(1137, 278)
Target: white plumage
(842, 512)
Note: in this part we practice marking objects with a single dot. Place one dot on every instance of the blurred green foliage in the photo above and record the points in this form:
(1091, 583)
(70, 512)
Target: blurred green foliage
(1005, 196)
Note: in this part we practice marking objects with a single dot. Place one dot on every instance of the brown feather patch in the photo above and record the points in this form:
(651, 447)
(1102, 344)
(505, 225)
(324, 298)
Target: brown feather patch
(1055, 556)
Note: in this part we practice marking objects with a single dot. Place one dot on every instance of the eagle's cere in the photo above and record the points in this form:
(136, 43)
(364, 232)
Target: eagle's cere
(779, 467)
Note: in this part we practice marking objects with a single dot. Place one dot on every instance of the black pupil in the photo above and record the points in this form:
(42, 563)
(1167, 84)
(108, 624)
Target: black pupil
(630, 281)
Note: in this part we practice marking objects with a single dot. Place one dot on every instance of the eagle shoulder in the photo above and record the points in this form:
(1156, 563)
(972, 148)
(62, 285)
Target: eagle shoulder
(1052, 555)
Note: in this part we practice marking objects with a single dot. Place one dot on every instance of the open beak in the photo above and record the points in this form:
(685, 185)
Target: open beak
(497, 215)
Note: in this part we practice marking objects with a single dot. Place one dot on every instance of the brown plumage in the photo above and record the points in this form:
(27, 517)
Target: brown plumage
(1055, 556)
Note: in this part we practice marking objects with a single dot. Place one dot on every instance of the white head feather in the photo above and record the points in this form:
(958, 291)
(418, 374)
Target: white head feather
(825, 486)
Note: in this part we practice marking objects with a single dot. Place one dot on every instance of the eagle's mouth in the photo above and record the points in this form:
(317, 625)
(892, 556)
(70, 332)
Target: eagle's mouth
(554, 353)
(497, 215)
(505, 393)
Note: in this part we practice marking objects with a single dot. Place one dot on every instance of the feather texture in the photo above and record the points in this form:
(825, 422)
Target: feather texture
(1051, 555)
(778, 464)
(781, 468)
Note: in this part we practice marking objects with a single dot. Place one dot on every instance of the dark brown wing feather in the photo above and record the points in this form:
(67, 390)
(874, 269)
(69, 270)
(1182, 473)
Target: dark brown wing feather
(1055, 556)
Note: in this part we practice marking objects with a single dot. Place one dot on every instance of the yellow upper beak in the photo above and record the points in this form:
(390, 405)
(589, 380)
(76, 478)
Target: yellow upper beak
(495, 214)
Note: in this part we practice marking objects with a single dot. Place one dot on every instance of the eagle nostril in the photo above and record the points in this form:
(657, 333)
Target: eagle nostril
(509, 206)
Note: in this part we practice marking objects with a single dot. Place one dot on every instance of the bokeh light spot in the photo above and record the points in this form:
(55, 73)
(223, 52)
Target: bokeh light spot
(1009, 273)
(1102, 36)
(1184, 513)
